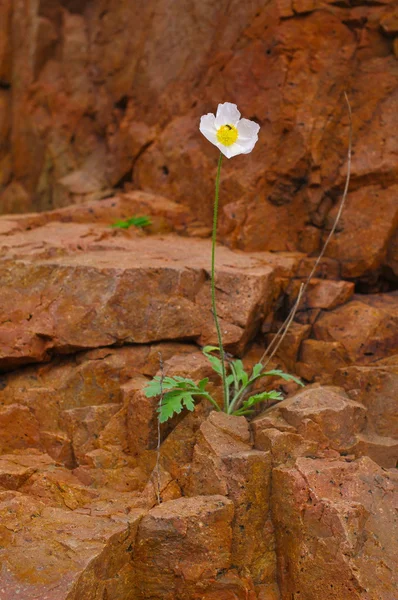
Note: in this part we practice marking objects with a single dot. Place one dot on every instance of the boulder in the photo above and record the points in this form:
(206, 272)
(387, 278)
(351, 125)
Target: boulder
(138, 290)
(335, 529)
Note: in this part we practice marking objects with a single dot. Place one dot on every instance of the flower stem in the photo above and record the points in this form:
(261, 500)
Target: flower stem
(213, 287)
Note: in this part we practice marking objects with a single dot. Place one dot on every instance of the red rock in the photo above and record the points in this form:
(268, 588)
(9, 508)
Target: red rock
(224, 462)
(285, 447)
(366, 331)
(319, 360)
(18, 428)
(57, 554)
(334, 529)
(292, 341)
(381, 449)
(85, 424)
(337, 417)
(149, 125)
(361, 255)
(376, 388)
(389, 23)
(164, 214)
(322, 293)
(182, 544)
(88, 385)
(5, 40)
(72, 285)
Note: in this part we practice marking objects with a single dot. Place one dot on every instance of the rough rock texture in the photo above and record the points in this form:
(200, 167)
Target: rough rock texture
(95, 106)
(69, 287)
(99, 111)
(324, 419)
(336, 533)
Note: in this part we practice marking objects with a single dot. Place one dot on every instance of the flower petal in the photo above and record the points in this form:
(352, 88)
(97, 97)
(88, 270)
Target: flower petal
(230, 151)
(208, 128)
(248, 130)
(227, 114)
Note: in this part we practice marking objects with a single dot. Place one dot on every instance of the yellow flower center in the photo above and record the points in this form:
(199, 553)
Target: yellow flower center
(227, 135)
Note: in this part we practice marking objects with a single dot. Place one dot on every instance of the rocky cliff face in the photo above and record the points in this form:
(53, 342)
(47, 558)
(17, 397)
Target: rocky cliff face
(95, 96)
(99, 110)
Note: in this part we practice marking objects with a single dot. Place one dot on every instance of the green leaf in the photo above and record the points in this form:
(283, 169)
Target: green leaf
(283, 375)
(155, 387)
(241, 374)
(214, 360)
(256, 399)
(256, 370)
(173, 403)
(133, 221)
(230, 379)
(262, 397)
(121, 225)
(203, 383)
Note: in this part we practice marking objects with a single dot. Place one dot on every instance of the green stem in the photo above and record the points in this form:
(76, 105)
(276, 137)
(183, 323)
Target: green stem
(213, 286)
(238, 396)
(210, 399)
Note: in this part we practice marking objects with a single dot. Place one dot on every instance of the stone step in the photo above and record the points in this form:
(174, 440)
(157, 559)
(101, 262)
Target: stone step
(68, 287)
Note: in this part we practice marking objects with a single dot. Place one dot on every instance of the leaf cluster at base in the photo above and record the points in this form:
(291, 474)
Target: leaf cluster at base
(181, 392)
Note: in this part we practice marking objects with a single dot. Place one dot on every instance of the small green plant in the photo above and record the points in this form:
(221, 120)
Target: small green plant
(181, 392)
(133, 222)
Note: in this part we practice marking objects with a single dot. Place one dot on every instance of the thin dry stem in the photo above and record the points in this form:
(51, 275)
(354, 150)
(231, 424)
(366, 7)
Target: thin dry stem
(157, 466)
(278, 339)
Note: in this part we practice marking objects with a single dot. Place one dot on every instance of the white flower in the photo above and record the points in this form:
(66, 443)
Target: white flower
(231, 134)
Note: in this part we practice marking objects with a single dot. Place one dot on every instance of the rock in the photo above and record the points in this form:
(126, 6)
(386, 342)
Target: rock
(335, 518)
(84, 426)
(375, 387)
(18, 428)
(319, 360)
(88, 301)
(327, 411)
(94, 121)
(224, 462)
(164, 214)
(15, 198)
(366, 330)
(322, 293)
(5, 40)
(181, 546)
(359, 255)
(389, 23)
(58, 554)
(292, 342)
(76, 404)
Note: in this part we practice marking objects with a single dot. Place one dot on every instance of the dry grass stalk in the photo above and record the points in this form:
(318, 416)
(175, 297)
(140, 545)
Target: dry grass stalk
(278, 339)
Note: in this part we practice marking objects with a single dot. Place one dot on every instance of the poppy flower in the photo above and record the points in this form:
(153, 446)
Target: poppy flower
(226, 130)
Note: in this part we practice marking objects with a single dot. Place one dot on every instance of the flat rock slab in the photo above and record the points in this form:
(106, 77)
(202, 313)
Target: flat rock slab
(81, 288)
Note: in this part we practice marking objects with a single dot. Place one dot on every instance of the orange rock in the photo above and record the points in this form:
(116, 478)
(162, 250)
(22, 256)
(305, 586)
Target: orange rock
(5, 41)
(337, 417)
(334, 529)
(18, 428)
(57, 554)
(182, 544)
(366, 331)
(376, 388)
(361, 255)
(74, 286)
(319, 360)
(322, 293)
(224, 462)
